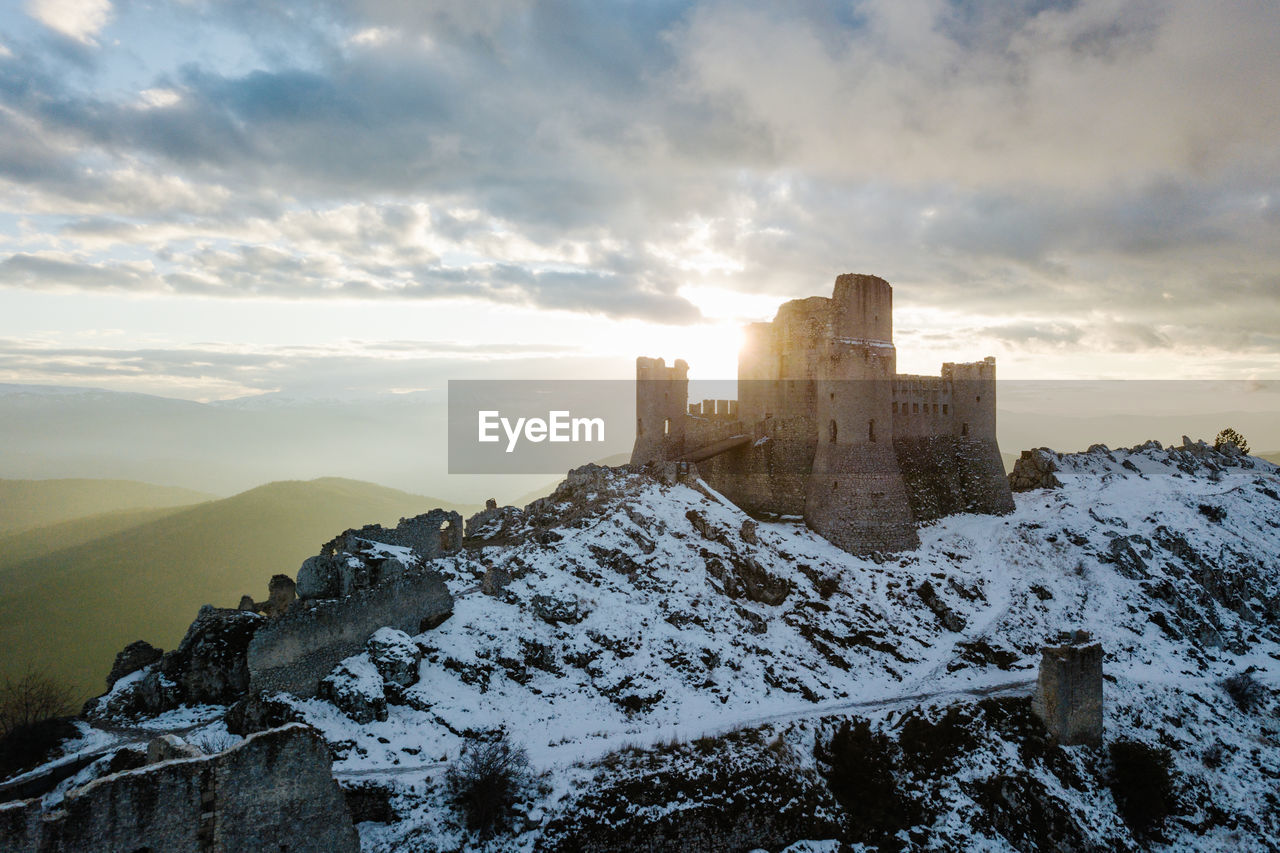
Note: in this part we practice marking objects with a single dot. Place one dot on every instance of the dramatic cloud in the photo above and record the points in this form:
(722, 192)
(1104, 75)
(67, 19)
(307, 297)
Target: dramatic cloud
(1043, 173)
(76, 19)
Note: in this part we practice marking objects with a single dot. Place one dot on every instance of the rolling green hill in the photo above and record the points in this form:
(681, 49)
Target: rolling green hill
(68, 611)
(31, 503)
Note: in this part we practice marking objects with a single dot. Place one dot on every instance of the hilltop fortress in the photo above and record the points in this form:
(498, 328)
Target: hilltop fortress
(826, 428)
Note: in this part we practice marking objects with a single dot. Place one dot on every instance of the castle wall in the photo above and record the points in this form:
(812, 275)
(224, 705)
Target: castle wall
(770, 475)
(950, 474)
(273, 791)
(922, 406)
(294, 652)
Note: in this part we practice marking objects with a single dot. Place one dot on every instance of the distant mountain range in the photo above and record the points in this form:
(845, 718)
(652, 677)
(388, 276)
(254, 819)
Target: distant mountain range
(73, 592)
(33, 503)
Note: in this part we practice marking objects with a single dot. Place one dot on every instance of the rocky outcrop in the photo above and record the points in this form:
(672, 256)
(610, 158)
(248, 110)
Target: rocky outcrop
(330, 576)
(132, 658)
(395, 655)
(209, 666)
(494, 524)
(1034, 470)
(273, 791)
(950, 619)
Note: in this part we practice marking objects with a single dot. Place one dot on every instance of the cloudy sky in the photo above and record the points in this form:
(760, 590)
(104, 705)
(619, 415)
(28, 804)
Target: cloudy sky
(212, 199)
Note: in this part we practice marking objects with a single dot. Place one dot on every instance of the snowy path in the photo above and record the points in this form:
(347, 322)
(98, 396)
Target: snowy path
(1012, 687)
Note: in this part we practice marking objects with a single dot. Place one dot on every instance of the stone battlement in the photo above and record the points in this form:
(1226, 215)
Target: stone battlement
(836, 432)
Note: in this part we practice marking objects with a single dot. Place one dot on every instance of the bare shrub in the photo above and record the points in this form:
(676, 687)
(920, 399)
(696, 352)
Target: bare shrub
(487, 780)
(31, 698)
(33, 712)
(1245, 691)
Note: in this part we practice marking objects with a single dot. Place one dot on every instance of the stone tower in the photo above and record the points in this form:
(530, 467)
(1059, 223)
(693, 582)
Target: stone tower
(661, 395)
(856, 496)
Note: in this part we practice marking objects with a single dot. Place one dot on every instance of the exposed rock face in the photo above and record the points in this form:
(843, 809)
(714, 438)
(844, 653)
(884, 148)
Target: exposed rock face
(1034, 470)
(495, 580)
(430, 535)
(257, 713)
(950, 620)
(744, 577)
(209, 665)
(341, 575)
(1068, 696)
(273, 791)
(494, 523)
(132, 658)
(554, 610)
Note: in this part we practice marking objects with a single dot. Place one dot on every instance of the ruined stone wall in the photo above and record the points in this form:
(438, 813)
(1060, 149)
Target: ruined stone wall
(293, 653)
(273, 791)
(432, 534)
(1068, 696)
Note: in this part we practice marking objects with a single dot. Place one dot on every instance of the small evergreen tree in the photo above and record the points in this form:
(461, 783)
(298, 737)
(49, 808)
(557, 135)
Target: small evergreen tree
(1231, 435)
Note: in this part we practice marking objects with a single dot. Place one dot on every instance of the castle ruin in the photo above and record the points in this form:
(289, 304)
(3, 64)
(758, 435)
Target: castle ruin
(825, 427)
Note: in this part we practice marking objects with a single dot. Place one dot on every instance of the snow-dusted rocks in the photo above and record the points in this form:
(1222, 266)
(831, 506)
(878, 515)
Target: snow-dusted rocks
(1034, 470)
(395, 655)
(355, 688)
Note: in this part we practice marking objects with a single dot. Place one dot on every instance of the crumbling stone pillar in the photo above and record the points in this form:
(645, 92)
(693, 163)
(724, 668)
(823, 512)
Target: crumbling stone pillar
(1068, 695)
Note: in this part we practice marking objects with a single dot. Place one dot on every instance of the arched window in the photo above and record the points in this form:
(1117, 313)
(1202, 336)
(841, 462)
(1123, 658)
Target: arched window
(831, 431)
(964, 429)
(871, 430)
(666, 427)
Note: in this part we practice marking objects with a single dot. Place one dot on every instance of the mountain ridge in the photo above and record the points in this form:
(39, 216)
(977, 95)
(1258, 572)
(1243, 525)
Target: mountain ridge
(147, 580)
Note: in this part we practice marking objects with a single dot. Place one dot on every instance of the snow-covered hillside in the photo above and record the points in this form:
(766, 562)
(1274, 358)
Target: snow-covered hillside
(660, 654)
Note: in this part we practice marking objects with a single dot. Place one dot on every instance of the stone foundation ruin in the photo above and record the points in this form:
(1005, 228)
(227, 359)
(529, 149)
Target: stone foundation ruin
(1068, 697)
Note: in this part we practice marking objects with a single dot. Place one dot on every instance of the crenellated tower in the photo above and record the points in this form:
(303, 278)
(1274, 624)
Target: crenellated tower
(661, 396)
